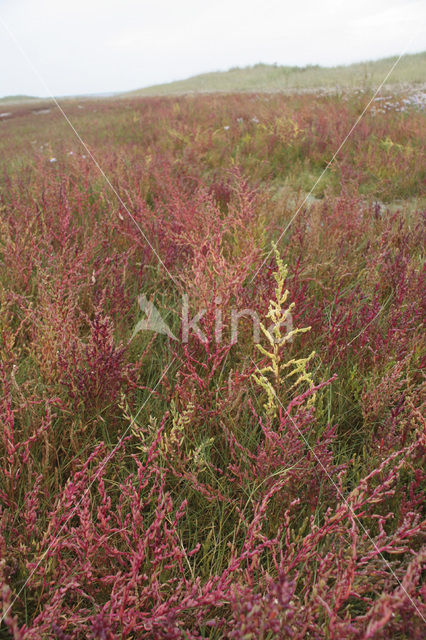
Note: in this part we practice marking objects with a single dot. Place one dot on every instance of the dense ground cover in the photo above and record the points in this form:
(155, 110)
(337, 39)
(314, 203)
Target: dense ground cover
(160, 488)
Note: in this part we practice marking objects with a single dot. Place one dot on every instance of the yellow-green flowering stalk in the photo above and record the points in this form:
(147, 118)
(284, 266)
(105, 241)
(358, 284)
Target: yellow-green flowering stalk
(280, 333)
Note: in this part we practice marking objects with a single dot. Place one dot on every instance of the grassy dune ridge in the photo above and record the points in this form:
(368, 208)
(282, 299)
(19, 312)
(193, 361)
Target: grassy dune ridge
(410, 69)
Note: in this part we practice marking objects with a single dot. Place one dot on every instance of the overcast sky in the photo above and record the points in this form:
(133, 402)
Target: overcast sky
(93, 46)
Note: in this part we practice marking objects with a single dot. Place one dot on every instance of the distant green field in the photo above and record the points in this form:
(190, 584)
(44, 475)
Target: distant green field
(263, 77)
(411, 69)
(18, 98)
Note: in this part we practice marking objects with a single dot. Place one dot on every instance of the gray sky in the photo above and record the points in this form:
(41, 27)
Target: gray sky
(92, 46)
